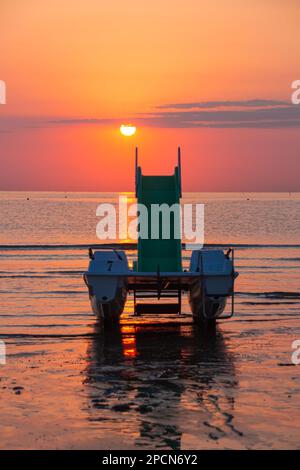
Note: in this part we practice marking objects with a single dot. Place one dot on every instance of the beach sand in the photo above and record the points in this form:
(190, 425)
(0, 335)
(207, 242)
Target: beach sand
(162, 387)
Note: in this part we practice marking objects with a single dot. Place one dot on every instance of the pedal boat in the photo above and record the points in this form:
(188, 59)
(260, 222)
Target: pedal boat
(157, 273)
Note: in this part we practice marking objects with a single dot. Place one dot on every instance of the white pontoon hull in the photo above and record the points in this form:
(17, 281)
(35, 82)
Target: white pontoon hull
(109, 312)
(209, 282)
(203, 307)
(107, 283)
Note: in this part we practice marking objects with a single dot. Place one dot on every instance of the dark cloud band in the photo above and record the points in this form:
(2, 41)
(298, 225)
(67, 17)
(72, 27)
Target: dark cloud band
(258, 113)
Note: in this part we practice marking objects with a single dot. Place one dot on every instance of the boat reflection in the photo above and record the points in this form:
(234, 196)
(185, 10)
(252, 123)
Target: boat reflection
(157, 382)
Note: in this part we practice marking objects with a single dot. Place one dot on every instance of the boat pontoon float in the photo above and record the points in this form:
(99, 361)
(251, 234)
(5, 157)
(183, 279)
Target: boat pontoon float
(158, 273)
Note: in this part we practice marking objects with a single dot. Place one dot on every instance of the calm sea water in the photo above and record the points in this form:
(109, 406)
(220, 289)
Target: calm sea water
(157, 382)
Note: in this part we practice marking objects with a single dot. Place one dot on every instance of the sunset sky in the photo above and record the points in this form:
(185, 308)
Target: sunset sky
(213, 76)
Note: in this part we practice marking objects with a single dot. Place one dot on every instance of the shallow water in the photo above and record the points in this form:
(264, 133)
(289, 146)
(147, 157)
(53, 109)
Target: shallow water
(158, 382)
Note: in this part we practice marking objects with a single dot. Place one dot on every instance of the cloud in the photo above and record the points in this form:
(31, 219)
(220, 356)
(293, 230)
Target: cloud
(256, 103)
(74, 121)
(13, 123)
(256, 113)
(252, 114)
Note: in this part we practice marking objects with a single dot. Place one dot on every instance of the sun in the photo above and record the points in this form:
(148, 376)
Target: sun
(127, 129)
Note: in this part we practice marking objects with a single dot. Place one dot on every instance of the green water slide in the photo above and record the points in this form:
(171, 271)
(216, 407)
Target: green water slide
(161, 252)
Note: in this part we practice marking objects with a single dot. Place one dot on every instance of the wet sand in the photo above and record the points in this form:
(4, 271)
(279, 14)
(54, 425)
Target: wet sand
(154, 387)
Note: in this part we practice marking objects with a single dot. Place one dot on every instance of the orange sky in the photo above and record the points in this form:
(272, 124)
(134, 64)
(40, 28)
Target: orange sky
(119, 61)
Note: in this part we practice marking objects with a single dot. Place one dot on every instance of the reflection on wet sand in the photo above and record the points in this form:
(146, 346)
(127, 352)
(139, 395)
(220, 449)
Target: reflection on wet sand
(162, 383)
